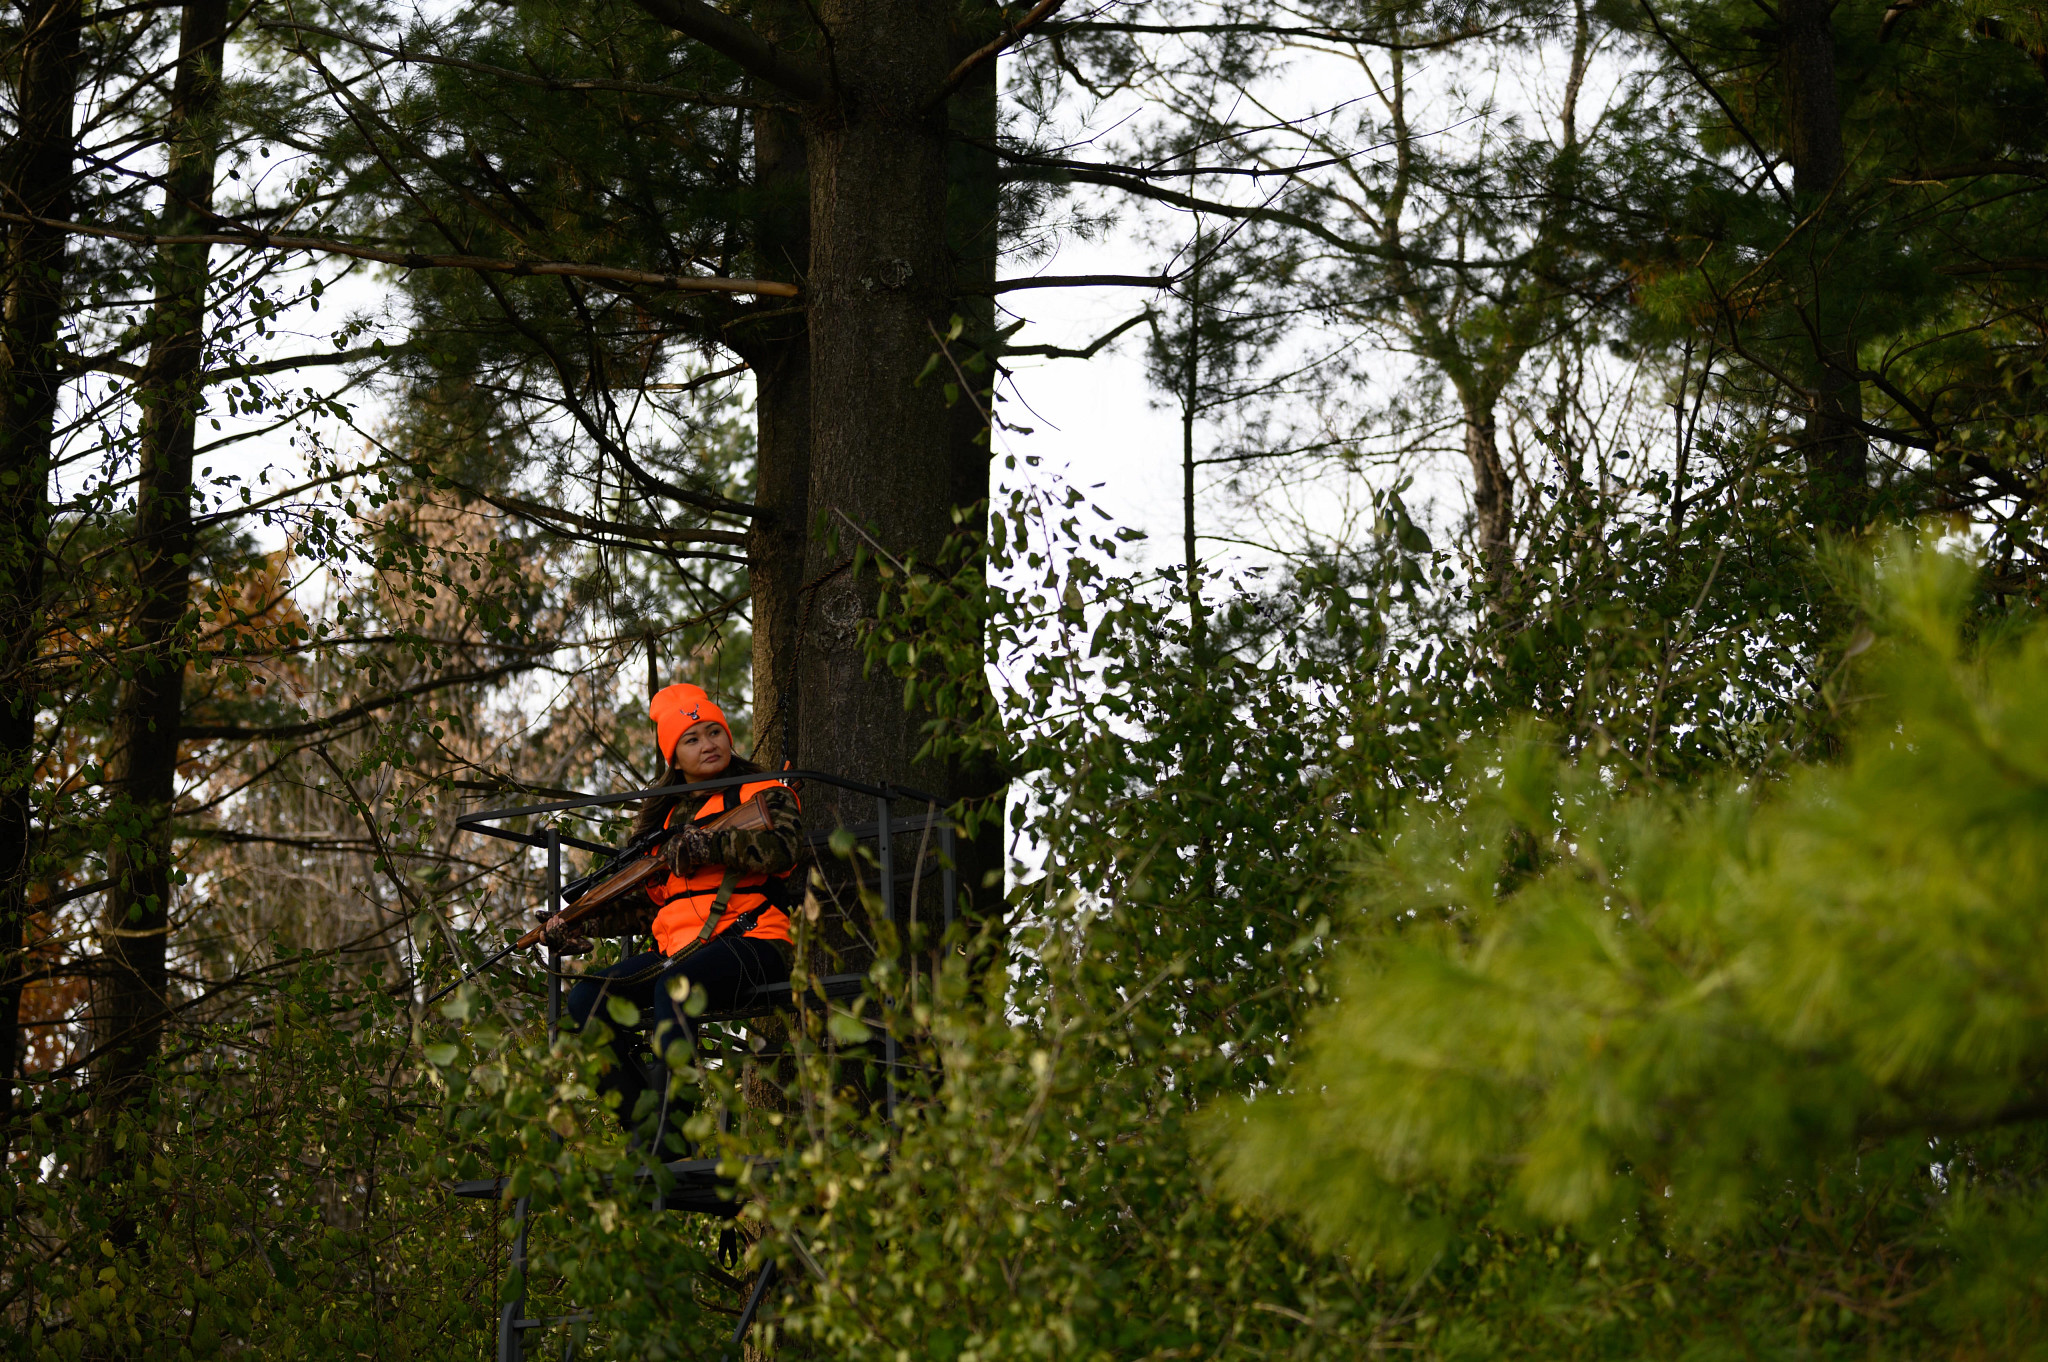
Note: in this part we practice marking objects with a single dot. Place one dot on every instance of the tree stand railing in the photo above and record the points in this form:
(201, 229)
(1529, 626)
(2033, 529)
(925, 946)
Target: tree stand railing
(693, 1185)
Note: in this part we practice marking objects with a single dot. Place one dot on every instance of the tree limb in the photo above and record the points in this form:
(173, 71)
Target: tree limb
(755, 55)
(1039, 13)
(406, 56)
(2022, 265)
(58, 900)
(1116, 179)
(2029, 170)
(661, 534)
(236, 837)
(1714, 92)
(1087, 281)
(414, 260)
(1328, 35)
(227, 373)
(1094, 347)
(242, 732)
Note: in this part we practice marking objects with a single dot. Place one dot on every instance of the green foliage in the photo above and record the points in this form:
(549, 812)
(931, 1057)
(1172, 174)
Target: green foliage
(1191, 818)
(1677, 628)
(1322, 1019)
(1904, 252)
(1786, 1040)
(280, 1206)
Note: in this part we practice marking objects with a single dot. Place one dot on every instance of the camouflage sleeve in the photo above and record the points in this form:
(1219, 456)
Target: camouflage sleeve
(769, 851)
(629, 916)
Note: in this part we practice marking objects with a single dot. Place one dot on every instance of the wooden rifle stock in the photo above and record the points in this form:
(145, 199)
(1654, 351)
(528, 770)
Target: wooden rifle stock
(752, 816)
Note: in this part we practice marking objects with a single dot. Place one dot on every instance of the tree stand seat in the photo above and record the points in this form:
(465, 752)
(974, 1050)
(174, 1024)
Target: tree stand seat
(694, 1186)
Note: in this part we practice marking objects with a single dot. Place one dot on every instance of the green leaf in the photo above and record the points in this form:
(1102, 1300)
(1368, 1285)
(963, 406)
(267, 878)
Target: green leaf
(847, 1029)
(440, 1055)
(622, 1012)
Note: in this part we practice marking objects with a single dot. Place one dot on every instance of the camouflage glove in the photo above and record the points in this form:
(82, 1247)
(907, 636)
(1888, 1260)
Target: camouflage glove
(570, 938)
(689, 848)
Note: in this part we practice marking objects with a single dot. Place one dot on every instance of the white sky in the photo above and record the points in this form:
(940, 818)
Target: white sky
(1096, 421)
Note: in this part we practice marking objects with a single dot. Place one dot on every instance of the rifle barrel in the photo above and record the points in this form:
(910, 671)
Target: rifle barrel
(571, 891)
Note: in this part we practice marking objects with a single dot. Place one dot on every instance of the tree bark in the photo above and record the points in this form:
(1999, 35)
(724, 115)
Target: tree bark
(1493, 493)
(974, 234)
(778, 349)
(129, 994)
(881, 445)
(1836, 449)
(1190, 406)
(883, 456)
(36, 179)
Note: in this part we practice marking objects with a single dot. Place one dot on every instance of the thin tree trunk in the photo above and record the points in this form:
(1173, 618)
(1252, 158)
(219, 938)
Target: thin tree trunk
(778, 349)
(1836, 450)
(1436, 338)
(1190, 404)
(1493, 494)
(974, 209)
(36, 179)
(129, 994)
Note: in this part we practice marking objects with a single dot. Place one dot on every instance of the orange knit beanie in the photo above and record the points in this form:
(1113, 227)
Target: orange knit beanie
(674, 709)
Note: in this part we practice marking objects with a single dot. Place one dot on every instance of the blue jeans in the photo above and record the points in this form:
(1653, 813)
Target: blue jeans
(724, 968)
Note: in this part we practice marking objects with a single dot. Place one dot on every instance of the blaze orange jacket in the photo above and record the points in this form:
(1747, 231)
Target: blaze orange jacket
(684, 901)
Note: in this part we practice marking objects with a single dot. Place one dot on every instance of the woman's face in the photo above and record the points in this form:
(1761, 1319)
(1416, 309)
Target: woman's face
(703, 750)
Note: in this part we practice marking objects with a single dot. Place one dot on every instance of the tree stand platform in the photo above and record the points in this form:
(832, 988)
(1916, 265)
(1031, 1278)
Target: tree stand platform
(694, 1186)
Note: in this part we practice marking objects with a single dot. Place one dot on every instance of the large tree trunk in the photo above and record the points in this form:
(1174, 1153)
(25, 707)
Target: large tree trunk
(779, 350)
(130, 994)
(880, 282)
(1836, 449)
(35, 178)
(883, 449)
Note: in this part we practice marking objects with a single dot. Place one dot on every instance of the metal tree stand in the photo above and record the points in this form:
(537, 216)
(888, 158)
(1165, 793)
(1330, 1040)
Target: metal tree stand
(693, 1184)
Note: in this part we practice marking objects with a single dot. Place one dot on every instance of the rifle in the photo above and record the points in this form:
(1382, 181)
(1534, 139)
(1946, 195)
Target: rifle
(640, 846)
(626, 870)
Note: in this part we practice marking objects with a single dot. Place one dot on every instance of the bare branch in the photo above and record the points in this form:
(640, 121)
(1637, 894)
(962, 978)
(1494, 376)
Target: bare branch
(988, 50)
(1347, 36)
(242, 732)
(1094, 347)
(414, 260)
(1714, 92)
(2019, 265)
(1088, 281)
(230, 372)
(661, 534)
(1120, 179)
(407, 56)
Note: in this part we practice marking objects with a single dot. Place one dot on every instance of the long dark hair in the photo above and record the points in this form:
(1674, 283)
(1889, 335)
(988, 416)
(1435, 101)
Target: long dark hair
(656, 810)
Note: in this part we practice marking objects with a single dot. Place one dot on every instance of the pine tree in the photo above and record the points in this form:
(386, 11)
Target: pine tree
(1860, 255)
(132, 994)
(1748, 1043)
(36, 182)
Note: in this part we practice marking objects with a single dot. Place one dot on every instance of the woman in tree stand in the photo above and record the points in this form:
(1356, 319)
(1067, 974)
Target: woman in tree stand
(720, 917)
